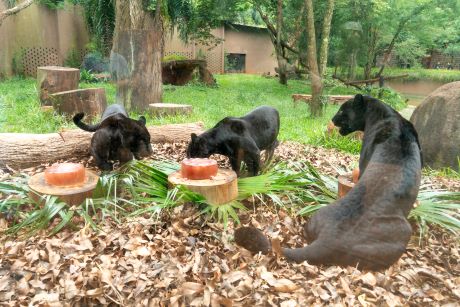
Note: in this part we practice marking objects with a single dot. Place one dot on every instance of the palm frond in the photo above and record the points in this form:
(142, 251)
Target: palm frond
(142, 188)
(222, 212)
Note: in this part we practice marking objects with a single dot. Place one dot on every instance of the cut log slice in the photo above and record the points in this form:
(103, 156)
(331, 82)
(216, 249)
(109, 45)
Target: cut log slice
(345, 185)
(168, 109)
(221, 189)
(91, 101)
(73, 195)
(54, 79)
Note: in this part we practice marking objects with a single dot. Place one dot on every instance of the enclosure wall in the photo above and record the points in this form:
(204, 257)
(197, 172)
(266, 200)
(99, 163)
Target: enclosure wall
(39, 36)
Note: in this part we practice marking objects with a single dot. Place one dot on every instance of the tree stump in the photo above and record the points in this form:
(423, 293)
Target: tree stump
(54, 79)
(168, 109)
(180, 72)
(345, 185)
(219, 190)
(205, 75)
(73, 196)
(91, 101)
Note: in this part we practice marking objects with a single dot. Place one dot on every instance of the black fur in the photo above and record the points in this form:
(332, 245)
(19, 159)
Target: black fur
(116, 137)
(240, 139)
(367, 228)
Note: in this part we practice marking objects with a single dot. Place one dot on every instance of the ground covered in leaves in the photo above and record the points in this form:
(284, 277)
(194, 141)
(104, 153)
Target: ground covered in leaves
(182, 258)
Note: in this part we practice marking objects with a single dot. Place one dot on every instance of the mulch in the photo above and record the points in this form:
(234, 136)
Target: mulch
(183, 259)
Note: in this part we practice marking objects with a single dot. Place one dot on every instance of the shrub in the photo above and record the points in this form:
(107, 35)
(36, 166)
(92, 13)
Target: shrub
(87, 76)
(73, 58)
(387, 95)
(174, 57)
(95, 62)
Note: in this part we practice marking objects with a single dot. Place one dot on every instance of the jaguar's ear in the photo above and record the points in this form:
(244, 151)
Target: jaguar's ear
(237, 127)
(193, 136)
(142, 120)
(360, 101)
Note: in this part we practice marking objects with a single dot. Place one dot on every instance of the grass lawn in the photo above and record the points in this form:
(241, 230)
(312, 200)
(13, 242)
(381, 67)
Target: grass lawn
(236, 95)
(437, 75)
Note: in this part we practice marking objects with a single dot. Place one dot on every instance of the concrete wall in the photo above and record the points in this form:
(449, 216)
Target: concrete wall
(41, 36)
(255, 43)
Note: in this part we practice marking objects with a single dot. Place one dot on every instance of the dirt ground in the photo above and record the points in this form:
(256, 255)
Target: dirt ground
(181, 259)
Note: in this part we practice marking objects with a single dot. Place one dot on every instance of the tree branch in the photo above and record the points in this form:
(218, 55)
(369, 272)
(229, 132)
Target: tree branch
(272, 31)
(401, 25)
(14, 10)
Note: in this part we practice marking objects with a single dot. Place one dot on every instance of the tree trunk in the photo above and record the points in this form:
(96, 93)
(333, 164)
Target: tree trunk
(323, 53)
(22, 150)
(371, 48)
(315, 77)
(352, 65)
(279, 49)
(136, 55)
(14, 10)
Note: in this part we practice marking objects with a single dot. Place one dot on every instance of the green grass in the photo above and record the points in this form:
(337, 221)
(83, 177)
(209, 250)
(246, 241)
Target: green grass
(437, 75)
(235, 96)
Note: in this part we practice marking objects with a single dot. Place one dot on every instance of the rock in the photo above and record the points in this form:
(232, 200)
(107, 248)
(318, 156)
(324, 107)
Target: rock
(91, 101)
(437, 121)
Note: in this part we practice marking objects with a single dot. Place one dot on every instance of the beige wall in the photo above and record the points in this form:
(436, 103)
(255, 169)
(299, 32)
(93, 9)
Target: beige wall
(253, 42)
(42, 35)
(256, 44)
(214, 53)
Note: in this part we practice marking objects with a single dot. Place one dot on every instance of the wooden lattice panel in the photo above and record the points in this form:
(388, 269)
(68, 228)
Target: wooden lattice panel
(214, 60)
(38, 56)
(187, 54)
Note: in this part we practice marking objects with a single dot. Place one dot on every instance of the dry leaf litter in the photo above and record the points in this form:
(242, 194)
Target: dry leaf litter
(183, 259)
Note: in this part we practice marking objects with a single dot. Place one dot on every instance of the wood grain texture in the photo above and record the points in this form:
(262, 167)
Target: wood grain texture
(22, 150)
(219, 190)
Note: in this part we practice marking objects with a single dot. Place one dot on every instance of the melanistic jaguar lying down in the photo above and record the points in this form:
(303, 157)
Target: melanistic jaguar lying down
(367, 228)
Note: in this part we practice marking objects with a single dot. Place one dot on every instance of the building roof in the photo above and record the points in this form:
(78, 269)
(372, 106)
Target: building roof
(243, 27)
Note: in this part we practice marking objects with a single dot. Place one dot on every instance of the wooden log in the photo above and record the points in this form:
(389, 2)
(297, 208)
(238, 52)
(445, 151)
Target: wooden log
(221, 189)
(71, 195)
(22, 150)
(205, 75)
(91, 101)
(168, 109)
(333, 99)
(54, 79)
(179, 72)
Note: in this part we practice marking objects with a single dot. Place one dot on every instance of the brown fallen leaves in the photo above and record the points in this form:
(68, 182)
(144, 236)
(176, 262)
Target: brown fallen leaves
(176, 260)
(147, 262)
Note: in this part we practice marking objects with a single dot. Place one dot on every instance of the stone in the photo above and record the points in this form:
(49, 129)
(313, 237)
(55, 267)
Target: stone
(91, 101)
(437, 121)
